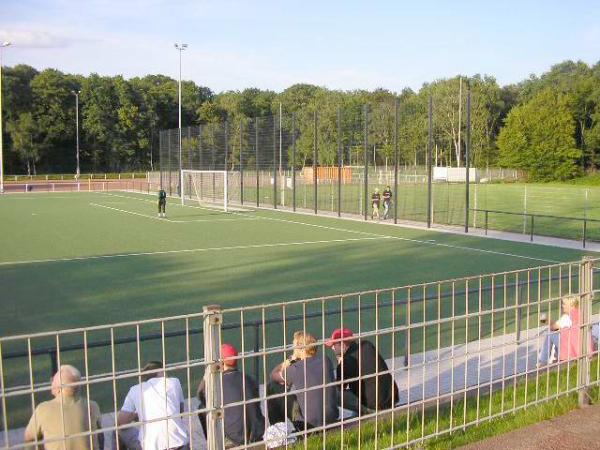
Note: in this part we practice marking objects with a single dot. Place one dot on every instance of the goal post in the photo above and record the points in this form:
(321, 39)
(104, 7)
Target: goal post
(207, 187)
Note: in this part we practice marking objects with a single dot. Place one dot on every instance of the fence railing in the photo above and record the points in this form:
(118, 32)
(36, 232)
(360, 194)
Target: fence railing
(472, 346)
(88, 185)
(72, 176)
(529, 221)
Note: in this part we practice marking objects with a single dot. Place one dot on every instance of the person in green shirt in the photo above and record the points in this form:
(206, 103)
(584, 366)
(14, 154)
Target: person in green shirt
(162, 203)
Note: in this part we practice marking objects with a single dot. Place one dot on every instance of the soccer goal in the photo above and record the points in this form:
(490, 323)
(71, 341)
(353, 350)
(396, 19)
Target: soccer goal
(207, 187)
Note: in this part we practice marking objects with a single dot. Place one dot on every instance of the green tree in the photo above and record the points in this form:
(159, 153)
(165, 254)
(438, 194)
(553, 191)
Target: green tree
(23, 133)
(539, 137)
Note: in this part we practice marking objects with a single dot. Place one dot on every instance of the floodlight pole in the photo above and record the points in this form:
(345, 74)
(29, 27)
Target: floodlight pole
(2, 45)
(77, 170)
(180, 48)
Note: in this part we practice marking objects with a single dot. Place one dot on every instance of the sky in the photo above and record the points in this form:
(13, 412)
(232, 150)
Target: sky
(269, 44)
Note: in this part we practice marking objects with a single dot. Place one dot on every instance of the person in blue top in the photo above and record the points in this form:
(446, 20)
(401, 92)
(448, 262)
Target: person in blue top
(162, 203)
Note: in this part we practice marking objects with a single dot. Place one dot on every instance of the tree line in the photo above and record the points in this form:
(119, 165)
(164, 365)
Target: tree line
(548, 125)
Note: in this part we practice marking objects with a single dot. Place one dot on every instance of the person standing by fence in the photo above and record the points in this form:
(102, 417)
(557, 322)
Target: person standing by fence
(387, 202)
(375, 200)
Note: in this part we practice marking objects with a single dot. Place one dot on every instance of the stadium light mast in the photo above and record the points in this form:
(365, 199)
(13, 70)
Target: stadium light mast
(180, 48)
(2, 45)
(76, 94)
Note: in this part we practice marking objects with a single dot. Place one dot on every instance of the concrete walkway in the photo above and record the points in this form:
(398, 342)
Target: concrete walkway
(479, 232)
(580, 429)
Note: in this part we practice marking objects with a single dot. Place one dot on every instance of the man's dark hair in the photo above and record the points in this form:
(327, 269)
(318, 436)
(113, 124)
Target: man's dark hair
(150, 367)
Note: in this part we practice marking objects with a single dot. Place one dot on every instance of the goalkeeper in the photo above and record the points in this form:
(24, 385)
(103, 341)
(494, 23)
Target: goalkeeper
(162, 203)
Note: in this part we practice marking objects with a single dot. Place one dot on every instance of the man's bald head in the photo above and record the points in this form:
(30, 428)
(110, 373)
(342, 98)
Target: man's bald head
(66, 375)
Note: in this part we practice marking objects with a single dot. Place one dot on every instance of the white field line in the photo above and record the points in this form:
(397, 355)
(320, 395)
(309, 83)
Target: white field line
(164, 219)
(367, 233)
(147, 216)
(193, 250)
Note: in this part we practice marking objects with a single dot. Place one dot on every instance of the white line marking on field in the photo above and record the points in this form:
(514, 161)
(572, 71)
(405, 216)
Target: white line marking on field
(193, 250)
(367, 233)
(164, 219)
(131, 212)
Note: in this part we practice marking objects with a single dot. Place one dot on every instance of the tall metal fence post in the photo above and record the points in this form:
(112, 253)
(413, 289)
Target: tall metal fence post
(241, 163)
(429, 145)
(226, 144)
(293, 161)
(396, 120)
(315, 155)
(256, 162)
(532, 228)
(274, 162)
(161, 143)
(214, 390)
(200, 155)
(468, 159)
(339, 159)
(366, 159)
(586, 288)
(169, 160)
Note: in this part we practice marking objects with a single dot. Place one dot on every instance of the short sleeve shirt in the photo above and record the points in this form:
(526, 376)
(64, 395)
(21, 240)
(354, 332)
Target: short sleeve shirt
(319, 371)
(46, 423)
(158, 398)
(234, 383)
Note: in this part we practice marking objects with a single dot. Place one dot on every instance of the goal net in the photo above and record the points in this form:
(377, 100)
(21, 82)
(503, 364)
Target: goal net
(206, 187)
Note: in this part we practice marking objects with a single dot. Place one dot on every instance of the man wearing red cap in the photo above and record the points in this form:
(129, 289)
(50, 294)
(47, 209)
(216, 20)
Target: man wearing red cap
(372, 392)
(236, 432)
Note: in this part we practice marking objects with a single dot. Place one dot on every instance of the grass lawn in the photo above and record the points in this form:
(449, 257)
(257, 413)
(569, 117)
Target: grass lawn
(546, 394)
(564, 200)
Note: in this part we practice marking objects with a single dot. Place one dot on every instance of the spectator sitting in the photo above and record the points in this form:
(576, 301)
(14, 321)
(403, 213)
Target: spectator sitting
(156, 397)
(360, 359)
(304, 370)
(563, 335)
(237, 387)
(47, 419)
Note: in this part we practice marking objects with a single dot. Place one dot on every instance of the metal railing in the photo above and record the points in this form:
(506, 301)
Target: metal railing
(473, 346)
(88, 185)
(529, 218)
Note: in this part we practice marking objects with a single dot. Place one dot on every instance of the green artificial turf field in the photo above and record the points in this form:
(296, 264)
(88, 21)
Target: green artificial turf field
(81, 259)
(72, 260)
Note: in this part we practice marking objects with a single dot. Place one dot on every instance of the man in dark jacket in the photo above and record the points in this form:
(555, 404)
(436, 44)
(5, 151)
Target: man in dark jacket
(374, 391)
(233, 392)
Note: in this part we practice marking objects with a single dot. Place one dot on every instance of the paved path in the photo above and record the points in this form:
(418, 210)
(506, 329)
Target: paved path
(579, 429)
(452, 229)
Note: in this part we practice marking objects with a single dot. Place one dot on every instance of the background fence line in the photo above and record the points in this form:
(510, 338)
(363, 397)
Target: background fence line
(332, 161)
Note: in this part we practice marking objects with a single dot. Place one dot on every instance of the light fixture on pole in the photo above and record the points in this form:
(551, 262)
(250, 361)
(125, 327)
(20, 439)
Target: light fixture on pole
(76, 94)
(181, 48)
(2, 45)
